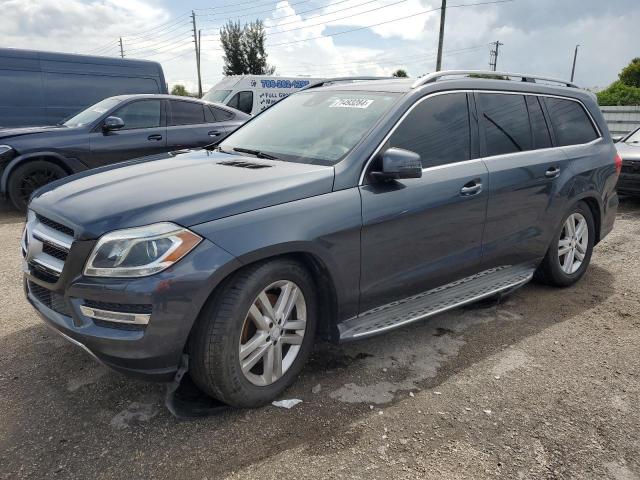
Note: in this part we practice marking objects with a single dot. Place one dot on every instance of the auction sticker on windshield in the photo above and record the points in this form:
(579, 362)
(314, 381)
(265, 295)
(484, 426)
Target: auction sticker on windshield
(351, 103)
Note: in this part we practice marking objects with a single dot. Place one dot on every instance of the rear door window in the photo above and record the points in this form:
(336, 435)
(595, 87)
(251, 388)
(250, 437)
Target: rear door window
(437, 129)
(505, 121)
(140, 114)
(539, 127)
(221, 114)
(186, 113)
(571, 123)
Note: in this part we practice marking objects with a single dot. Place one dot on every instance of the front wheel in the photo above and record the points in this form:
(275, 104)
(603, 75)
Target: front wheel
(30, 176)
(255, 335)
(570, 251)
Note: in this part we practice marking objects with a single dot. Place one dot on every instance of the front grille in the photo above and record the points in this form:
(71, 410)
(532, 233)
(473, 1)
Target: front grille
(50, 299)
(55, 225)
(55, 251)
(43, 273)
(119, 307)
(46, 245)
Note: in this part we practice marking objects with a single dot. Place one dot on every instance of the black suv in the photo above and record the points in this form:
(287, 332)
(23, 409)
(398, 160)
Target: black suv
(113, 130)
(345, 210)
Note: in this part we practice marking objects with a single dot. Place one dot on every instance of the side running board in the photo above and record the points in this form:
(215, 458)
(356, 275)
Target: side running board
(431, 302)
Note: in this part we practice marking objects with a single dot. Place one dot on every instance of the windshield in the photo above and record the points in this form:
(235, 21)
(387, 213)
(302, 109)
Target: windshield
(318, 127)
(216, 96)
(634, 137)
(92, 113)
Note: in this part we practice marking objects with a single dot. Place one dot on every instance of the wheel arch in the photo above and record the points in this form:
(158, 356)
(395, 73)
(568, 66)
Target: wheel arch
(595, 206)
(69, 165)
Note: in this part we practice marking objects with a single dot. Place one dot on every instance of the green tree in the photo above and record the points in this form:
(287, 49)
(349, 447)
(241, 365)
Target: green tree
(235, 62)
(630, 75)
(625, 91)
(244, 49)
(180, 90)
(619, 94)
(253, 45)
(400, 73)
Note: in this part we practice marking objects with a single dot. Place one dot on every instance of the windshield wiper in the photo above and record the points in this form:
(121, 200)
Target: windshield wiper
(256, 153)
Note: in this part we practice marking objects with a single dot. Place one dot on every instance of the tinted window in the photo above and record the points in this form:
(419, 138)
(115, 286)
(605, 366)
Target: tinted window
(243, 101)
(570, 122)
(141, 114)
(505, 122)
(186, 113)
(221, 115)
(208, 115)
(539, 128)
(437, 129)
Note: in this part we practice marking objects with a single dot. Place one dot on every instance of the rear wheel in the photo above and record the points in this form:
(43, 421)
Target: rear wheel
(255, 335)
(27, 178)
(570, 252)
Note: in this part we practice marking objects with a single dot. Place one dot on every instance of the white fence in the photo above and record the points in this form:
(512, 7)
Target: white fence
(621, 120)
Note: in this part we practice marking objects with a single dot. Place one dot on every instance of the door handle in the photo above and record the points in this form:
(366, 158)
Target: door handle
(214, 133)
(471, 188)
(552, 172)
(154, 137)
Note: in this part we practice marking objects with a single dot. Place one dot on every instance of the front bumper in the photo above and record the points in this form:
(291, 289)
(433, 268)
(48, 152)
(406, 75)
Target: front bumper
(173, 297)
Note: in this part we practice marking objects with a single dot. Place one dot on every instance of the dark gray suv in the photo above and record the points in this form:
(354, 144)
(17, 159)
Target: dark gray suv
(346, 210)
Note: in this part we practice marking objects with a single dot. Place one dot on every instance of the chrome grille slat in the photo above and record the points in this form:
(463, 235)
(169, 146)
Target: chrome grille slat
(46, 245)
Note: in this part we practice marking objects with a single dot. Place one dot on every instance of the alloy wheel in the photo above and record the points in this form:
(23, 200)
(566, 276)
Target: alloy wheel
(572, 246)
(272, 333)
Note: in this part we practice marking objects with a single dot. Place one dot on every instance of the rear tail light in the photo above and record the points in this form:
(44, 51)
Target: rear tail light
(618, 161)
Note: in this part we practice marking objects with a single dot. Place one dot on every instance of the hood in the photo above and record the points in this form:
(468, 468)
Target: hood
(22, 131)
(186, 189)
(628, 151)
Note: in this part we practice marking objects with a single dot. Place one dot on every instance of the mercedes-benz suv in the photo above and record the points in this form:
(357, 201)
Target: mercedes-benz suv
(344, 211)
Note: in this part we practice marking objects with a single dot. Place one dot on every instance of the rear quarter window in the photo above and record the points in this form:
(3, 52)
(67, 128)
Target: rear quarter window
(571, 123)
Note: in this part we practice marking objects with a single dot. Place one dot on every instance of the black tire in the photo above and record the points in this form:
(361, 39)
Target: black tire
(214, 358)
(550, 271)
(30, 176)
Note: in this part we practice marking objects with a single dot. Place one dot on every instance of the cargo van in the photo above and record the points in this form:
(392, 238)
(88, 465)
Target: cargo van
(253, 93)
(45, 88)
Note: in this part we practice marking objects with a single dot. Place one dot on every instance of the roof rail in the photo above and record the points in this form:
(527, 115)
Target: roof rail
(525, 77)
(327, 81)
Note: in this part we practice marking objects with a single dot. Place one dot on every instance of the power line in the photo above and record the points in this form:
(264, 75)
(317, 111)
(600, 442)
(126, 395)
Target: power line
(150, 45)
(424, 12)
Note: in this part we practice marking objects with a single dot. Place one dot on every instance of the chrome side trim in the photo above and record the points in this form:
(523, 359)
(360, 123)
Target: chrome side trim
(118, 317)
(444, 309)
(504, 92)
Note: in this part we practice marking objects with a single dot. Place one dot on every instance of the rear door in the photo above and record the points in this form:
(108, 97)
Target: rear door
(525, 175)
(192, 125)
(144, 133)
(421, 233)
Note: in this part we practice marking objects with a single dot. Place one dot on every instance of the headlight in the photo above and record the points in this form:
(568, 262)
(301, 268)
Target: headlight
(141, 251)
(6, 153)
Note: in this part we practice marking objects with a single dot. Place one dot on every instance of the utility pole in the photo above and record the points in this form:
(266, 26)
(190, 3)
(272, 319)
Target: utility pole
(196, 40)
(493, 56)
(575, 56)
(443, 11)
(199, 52)
(121, 49)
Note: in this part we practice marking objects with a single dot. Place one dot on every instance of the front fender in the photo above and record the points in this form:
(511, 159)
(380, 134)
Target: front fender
(326, 227)
(71, 165)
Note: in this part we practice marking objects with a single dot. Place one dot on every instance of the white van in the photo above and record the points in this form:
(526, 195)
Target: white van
(253, 93)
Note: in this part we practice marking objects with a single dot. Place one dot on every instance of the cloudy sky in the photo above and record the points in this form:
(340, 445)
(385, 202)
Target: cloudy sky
(342, 37)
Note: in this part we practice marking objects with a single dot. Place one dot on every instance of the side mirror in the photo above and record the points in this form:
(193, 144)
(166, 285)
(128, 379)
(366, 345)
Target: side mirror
(617, 138)
(112, 123)
(398, 163)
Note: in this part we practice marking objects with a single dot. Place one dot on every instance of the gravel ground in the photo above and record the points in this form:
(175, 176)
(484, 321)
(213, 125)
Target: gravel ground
(545, 384)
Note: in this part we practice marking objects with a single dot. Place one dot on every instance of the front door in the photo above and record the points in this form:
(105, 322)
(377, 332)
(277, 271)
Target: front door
(422, 233)
(143, 134)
